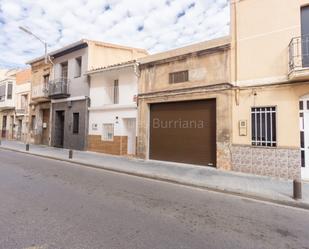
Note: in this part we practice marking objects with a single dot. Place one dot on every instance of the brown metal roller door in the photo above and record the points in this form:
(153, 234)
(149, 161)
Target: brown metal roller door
(184, 132)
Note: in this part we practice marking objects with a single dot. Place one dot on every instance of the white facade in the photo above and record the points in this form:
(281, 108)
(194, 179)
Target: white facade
(7, 97)
(112, 106)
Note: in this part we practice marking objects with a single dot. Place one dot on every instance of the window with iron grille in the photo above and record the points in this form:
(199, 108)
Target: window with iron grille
(263, 120)
(178, 77)
(108, 132)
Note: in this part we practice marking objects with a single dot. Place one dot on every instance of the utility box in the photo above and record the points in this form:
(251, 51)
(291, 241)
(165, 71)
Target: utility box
(242, 127)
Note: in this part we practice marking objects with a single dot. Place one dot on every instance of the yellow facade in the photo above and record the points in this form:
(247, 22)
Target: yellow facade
(261, 31)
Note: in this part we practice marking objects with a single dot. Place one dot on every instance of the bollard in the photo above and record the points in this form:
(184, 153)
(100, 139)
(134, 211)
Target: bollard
(70, 154)
(297, 189)
(27, 147)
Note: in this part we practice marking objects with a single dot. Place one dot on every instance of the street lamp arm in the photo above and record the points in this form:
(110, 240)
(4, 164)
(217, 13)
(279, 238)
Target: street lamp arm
(30, 33)
(38, 38)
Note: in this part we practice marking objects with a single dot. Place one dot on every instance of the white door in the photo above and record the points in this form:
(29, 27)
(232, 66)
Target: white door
(304, 137)
(130, 124)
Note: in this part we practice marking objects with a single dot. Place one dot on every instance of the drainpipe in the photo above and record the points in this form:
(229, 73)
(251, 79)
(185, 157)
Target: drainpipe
(136, 69)
(235, 51)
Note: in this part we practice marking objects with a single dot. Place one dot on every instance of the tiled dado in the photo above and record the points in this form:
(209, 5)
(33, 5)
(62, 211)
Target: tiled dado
(276, 162)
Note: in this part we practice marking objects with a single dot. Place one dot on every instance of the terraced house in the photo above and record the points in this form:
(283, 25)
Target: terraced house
(271, 87)
(113, 109)
(184, 105)
(39, 128)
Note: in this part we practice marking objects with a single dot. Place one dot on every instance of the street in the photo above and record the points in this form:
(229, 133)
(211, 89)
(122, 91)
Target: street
(51, 204)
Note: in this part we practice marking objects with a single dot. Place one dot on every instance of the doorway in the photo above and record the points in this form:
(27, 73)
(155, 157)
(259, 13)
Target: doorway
(19, 129)
(130, 127)
(59, 129)
(45, 132)
(304, 136)
(4, 122)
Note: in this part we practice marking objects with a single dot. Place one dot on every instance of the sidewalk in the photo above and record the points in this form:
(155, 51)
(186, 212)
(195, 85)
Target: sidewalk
(258, 187)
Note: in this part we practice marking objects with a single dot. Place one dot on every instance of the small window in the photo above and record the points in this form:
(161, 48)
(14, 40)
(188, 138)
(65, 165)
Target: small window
(78, 67)
(263, 120)
(179, 77)
(116, 92)
(75, 123)
(9, 90)
(108, 132)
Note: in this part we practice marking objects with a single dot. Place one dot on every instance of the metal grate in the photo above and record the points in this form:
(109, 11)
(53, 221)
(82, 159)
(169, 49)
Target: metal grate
(264, 126)
(178, 77)
(299, 53)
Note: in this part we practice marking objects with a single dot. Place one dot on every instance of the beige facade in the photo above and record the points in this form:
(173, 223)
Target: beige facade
(208, 66)
(39, 117)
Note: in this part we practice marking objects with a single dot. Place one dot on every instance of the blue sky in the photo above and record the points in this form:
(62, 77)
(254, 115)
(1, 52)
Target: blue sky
(153, 25)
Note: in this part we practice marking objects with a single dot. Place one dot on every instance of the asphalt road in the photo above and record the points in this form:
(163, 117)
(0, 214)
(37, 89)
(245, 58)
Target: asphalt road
(49, 204)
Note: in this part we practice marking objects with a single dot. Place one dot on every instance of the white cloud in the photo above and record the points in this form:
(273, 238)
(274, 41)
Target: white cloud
(154, 25)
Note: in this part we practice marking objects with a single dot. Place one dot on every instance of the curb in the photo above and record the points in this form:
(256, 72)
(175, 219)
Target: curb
(250, 195)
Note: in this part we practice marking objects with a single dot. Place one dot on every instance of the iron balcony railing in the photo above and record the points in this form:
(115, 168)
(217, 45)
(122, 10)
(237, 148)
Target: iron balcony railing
(58, 88)
(39, 91)
(299, 53)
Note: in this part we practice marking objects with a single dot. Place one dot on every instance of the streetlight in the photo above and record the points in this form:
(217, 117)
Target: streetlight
(38, 38)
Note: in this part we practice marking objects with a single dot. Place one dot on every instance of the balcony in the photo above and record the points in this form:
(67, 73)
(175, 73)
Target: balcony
(299, 58)
(58, 88)
(6, 104)
(39, 93)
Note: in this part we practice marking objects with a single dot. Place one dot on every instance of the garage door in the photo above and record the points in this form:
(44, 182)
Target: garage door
(184, 132)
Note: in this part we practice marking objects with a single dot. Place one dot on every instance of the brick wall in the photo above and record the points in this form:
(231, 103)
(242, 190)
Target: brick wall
(23, 76)
(119, 146)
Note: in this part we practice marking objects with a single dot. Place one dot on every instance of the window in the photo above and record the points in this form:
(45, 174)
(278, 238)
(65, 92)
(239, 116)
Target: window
(24, 101)
(75, 122)
(64, 70)
(9, 90)
(78, 67)
(264, 126)
(108, 132)
(116, 92)
(2, 92)
(179, 77)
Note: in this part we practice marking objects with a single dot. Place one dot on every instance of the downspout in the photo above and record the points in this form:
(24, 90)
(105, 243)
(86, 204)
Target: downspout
(236, 53)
